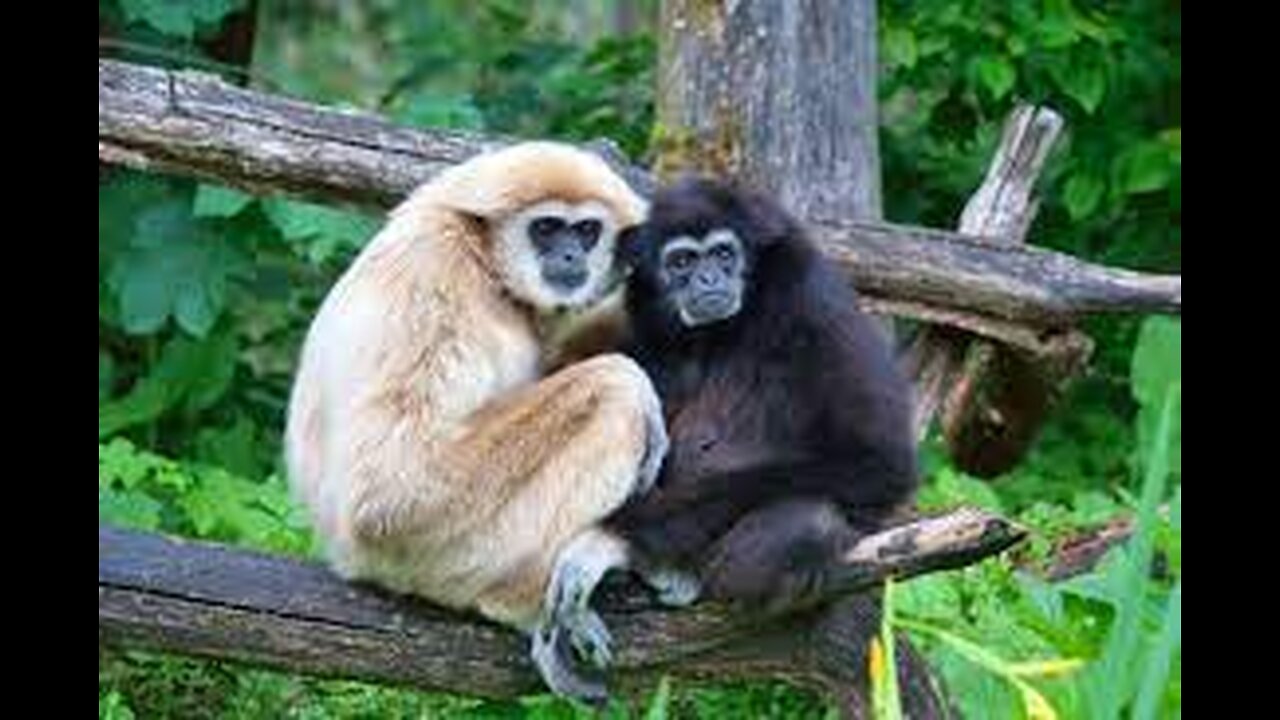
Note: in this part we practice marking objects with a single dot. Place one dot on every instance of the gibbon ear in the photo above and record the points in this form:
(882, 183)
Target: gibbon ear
(475, 220)
(631, 246)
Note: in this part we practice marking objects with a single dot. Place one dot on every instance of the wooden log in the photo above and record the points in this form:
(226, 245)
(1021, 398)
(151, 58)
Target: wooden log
(194, 124)
(203, 599)
(993, 398)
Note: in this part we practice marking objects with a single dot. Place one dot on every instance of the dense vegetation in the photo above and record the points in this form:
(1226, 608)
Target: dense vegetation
(203, 294)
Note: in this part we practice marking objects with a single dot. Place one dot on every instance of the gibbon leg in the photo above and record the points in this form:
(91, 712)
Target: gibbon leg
(569, 628)
(528, 473)
(779, 556)
(592, 436)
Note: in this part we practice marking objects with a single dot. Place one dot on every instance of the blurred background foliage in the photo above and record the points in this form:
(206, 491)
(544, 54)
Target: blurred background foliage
(204, 294)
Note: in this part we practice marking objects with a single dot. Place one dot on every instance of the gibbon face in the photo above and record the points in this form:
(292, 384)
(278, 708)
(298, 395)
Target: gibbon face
(556, 254)
(703, 277)
(550, 215)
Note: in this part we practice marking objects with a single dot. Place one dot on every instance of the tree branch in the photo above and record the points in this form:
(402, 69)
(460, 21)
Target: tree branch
(204, 599)
(194, 124)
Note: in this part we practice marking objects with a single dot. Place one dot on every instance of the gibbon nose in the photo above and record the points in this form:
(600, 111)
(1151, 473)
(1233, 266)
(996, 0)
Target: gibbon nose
(707, 280)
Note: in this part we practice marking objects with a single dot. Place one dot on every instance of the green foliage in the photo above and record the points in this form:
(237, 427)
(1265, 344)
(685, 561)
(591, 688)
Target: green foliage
(179, 18)
(204, 295)
(1157, 366)
(952, 69)
(146, 685)
(189, 375)
(660, 703)
(112, 706)
(492, 65)
(144, 490)
(1113, 682)
(886, 698)
(1123, 617)
(161, 261)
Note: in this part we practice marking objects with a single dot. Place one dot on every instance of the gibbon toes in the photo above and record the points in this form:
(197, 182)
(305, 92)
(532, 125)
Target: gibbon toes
(557, 664)
(675, 588)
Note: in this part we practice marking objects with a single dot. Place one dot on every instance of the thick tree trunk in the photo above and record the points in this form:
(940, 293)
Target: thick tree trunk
(780, 94)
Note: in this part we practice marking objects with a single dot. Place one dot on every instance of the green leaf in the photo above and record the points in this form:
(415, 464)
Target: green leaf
(148, 399)
(899, 48)
(191, 372)
(996, 73)
(112, 706)
(1157, 359)
(223, 506)
(431, 110)
(106, 375)
(120, 201)
(660, 702)
(178, 17)
(1157, 368)
(1113, 681)
(1016, 45)
(131, 509)
(951, 488)
(235, 447)
(1082, 194)
(120, 466)
(169, 17)
(886, 698)
(1085, 82)
(1173, 139)
(216, 201)
(1144, 168)
(213, 11)
(1159, 662)
(173, 268)
(208, 368)
(1057, 27)
(932, 597)
(1034, 704)
(1096, 26)
(324, 230)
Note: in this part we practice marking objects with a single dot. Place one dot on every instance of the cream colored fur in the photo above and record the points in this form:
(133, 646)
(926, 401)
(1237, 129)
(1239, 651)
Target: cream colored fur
(431, 455)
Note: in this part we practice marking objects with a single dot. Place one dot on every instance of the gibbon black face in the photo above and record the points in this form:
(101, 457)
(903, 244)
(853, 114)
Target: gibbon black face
(559, 253)
(695, 259)
(563, 246)
(703, 277)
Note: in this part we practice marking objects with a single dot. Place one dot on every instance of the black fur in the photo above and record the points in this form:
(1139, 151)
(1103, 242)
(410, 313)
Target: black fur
(789, 422)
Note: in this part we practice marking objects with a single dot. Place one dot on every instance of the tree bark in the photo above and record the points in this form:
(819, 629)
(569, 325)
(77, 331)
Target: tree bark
(993, 398)
(210, 600)
(780, 94)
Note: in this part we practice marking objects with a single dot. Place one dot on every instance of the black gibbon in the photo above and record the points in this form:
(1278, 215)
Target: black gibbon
(788, 418)
(433, 455)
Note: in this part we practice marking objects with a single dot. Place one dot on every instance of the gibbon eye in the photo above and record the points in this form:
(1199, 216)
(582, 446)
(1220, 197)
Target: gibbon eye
(723, 253)
(588, 232)
(544, 227)
(681, 259)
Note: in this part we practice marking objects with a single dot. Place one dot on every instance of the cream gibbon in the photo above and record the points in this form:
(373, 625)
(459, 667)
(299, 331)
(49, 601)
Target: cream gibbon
(434, 456)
